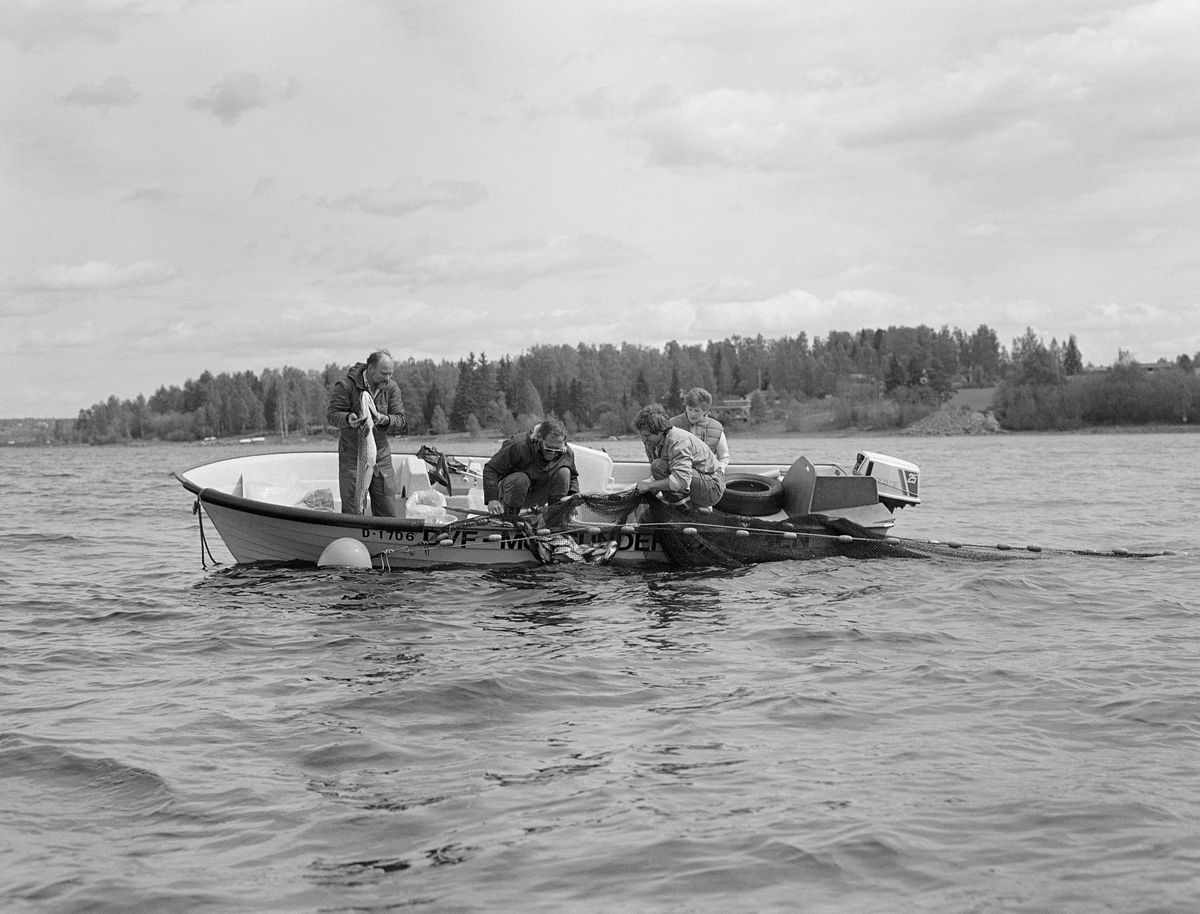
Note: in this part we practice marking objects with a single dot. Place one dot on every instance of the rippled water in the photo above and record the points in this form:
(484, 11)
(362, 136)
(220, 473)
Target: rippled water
(832, 736)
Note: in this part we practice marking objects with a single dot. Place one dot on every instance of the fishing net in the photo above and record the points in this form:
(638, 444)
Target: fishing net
(695, 539)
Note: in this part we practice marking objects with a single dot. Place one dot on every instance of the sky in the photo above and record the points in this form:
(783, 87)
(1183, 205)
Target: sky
(191, 185)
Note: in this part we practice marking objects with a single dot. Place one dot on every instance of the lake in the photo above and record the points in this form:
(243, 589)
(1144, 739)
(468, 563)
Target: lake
(938, 735)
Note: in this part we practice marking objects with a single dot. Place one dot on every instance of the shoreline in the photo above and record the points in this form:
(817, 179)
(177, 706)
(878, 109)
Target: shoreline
(773, 429)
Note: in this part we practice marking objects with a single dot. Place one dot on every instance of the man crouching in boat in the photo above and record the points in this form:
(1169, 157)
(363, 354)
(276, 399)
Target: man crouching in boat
(531, 470)
(682, 467)
(375, 379)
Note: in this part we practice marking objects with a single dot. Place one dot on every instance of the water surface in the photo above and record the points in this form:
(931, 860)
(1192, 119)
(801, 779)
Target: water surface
(919, 735)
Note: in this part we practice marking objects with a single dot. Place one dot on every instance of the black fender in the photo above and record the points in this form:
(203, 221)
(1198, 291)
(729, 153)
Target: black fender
(751, 495)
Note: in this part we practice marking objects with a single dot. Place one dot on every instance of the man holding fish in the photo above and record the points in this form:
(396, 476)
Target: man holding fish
(365, 405)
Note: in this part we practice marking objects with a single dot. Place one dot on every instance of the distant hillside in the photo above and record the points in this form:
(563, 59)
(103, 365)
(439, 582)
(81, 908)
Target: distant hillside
(17, 432)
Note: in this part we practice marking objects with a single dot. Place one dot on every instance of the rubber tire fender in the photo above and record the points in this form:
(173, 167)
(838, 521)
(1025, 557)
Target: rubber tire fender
(751, 495)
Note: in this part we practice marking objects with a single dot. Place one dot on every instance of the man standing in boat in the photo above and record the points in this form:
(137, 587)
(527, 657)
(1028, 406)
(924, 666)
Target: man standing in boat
(695, 419)
(530, 470)
(373, 377)
(682, 467)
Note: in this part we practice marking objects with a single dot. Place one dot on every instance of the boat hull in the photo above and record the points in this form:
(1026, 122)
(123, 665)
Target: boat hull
(282, 508)
(254, 532)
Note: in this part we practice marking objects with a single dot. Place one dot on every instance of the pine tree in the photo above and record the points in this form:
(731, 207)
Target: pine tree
(433, 399)
(464, 395)
(440, 424)
(674, 402)
(896, 376)
(529, 403)
(641, 389)
(1072, 359)
(915, 372)
(481, 387)
(577, 404)
(503, 382)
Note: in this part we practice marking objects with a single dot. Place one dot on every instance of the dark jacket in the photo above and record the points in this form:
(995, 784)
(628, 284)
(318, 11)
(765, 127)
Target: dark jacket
(522, 453)
(346, 399)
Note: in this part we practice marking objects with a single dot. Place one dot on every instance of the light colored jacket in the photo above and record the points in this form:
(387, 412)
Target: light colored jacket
(711, 432)
(685, 455)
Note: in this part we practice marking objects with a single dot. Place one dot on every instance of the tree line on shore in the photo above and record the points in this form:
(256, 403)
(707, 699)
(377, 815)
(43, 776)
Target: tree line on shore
(872, 378)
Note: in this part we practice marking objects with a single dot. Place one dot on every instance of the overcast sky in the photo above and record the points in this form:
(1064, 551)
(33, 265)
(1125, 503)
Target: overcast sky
(240, 185)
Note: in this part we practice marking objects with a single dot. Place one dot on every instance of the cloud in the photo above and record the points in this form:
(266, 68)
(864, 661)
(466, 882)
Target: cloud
(408, 195)
(730, 127)
(420, 262)
(55, 22)
(151, 195)
(236, 93)
(709, 316)
(96, 275)
(114, 91)
(1055, 111)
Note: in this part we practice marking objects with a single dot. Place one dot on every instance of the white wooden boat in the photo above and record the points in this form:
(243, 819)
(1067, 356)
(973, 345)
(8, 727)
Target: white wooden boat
(284, 507)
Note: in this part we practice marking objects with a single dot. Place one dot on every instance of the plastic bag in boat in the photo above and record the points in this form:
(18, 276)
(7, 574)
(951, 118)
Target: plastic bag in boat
(428, 505)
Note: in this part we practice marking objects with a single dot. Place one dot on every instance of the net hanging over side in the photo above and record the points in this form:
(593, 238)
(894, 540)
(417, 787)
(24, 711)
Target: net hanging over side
(694, 539)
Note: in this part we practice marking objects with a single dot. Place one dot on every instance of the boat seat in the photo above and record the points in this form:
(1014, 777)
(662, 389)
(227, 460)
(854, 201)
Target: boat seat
(412, 475)
(798, 486)
(836, 492)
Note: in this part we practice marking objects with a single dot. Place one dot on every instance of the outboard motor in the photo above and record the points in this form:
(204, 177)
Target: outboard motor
(897, 480)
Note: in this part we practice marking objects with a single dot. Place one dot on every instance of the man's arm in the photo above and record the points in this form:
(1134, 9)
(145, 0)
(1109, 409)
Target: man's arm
(493, 471)
(573, 488)
(679, 458)
(721, 452)
(340, 408)
(395, 409)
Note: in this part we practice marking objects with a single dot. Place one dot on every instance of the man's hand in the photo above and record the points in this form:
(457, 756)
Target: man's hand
(495, 506)
(353, 420)
(644, 486)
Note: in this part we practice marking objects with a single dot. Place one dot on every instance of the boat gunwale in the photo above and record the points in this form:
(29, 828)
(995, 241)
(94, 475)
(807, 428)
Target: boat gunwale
(209, 495)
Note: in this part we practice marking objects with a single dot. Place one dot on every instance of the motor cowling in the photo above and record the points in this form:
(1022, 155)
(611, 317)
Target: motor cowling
(898, 481)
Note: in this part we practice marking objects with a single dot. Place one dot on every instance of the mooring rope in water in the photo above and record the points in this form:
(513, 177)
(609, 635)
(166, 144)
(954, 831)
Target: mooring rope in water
(196, 509)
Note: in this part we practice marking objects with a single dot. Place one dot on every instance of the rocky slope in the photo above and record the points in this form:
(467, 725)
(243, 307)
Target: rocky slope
(952, 421)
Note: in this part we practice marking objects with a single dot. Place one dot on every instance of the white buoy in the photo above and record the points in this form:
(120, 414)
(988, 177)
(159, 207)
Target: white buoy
(346, 553)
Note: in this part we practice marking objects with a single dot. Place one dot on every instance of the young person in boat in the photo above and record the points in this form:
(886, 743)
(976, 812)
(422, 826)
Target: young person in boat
(695, 419)
(374, 377)
(682, 467)
(531, 470)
